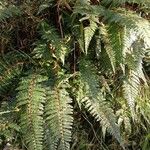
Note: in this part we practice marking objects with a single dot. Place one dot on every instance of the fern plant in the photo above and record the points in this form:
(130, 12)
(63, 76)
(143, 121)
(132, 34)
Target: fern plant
(84, 56)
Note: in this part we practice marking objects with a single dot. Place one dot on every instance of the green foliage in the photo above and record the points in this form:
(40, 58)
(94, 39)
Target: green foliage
(89, 32)
(107, 45)
(8, 124)
(120, 2)
(93, 100)
(9, 69)
(30, 99)
(52, 45)
(59, 120)
(69, 59)
(8, 11)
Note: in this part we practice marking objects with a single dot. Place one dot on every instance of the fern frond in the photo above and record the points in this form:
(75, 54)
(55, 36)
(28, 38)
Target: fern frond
(10, 68)
(120, 16)
(143, 104)
(42, 53)
(59, 118)
(93, 100)
(124, 116)
(100, 110)
(134, 73)
(116, 36)
(129, 20)
(89, 32)
(8, 74)
(130, 90)
(115, 3)
(57, 47)
(7, 129)
(8, 124)
(86, 9)
(7, 12)
(30, 100)
(44, 5)
(107, 46)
